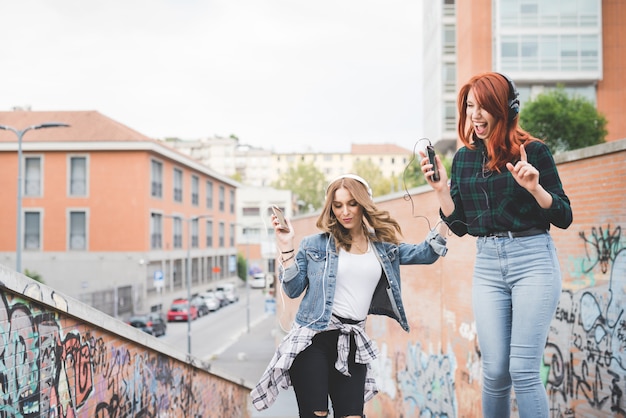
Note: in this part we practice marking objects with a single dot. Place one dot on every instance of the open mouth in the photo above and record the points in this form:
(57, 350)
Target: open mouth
(480, 128)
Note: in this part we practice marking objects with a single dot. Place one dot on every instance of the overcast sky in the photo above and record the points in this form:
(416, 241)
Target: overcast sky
(285, 75)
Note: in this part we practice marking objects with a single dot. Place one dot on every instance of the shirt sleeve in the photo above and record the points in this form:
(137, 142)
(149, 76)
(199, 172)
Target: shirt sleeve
(559, 213)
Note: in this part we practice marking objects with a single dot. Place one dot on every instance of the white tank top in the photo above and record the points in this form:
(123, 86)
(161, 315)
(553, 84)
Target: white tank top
(357, 277)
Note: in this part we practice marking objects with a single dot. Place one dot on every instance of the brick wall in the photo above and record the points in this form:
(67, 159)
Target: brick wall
(435, 369)
(63, 359)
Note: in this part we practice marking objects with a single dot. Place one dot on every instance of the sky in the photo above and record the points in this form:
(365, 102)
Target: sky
(283, 75)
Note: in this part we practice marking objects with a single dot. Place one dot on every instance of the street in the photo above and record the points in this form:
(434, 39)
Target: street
(213, 333)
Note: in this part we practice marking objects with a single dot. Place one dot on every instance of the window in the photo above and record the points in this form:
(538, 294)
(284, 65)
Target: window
(156, 189)
(209, 234)
(32, 176)
(221, 197)
(449, 39)
(178, 185)
(449, 77)
(221, 235)
(194, 233)
(32, 230)
(78, 176)
(77, 230)
(251, 211)
(209, 194)
(195, 190)
(449, 110)
(232, 201)
(156, 230)
(231, 235)
(177, 237)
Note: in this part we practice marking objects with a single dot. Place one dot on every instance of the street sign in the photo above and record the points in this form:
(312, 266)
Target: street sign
(158, 279)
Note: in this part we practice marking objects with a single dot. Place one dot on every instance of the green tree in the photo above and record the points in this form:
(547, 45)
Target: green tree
(564, 122)
(307, 184)
(242, 267)
(374, 177)
(34, 275)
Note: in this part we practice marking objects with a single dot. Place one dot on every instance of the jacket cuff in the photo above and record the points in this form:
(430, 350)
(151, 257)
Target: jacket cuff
(437, 243)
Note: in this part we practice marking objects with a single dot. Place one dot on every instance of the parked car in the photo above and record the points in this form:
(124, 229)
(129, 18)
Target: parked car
(218, 295)
(230, 292)
(200, 305)
(152, 323)
(181, 311)
(210, 300)
(258, 281)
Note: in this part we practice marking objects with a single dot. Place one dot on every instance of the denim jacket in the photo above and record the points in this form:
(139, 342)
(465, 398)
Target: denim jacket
(315, 271)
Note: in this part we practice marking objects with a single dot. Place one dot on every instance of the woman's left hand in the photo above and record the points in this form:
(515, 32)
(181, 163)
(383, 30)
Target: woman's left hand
(524, 173)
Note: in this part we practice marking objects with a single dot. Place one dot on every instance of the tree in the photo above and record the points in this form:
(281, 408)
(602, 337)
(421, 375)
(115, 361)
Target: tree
(307, 184)
(564, 122)
(34, 275)
(242, 267)
(373, 175)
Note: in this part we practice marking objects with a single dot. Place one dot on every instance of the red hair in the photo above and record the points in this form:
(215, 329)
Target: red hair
(492, 92)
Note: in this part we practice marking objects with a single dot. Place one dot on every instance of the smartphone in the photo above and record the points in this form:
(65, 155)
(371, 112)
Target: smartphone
(433, 161)
(281, 218)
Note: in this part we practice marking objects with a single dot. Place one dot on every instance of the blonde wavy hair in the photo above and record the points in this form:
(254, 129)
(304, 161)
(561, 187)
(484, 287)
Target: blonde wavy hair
(381, 226)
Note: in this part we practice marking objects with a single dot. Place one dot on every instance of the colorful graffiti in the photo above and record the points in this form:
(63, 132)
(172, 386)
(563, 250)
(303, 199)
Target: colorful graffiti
(54, 366)
(586, 349)
(584, 368)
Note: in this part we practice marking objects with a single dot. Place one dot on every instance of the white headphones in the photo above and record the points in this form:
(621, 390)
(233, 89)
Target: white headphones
(353, 177)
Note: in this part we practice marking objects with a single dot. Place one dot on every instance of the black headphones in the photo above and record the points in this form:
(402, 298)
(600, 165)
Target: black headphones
(513, 98)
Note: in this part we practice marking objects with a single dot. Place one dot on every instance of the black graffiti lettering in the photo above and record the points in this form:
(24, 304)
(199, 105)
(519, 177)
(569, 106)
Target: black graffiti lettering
(604, 246)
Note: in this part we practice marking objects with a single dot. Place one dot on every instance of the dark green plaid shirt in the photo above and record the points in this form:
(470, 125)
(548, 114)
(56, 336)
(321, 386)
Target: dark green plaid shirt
(488, 201)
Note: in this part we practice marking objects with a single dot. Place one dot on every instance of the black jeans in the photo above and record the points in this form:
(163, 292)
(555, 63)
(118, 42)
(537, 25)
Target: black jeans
(314, 379)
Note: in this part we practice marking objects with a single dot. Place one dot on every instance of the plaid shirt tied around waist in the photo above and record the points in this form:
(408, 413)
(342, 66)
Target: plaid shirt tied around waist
(276, 374)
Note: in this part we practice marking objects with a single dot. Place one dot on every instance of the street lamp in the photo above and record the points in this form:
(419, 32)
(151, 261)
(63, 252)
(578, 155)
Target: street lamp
(245, 231)
(20, 135)
(188, 271)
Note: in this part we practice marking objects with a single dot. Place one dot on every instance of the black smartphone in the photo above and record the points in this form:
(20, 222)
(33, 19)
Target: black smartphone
(281, 218)
(433, 161)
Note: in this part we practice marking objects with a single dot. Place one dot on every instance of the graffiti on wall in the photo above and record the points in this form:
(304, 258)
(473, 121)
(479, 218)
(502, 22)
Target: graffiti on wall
(54, 366)
(586, 349)
(584, 367)
(415, 382)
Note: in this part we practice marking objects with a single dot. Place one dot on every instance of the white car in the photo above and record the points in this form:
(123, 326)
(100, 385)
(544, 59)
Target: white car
(230, 292)
(258, 281)
(211, 301)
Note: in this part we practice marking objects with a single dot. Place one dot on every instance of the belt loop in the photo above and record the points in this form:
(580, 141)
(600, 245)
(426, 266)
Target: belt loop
(510, 234)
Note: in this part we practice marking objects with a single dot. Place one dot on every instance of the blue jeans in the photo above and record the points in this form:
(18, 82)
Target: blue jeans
(516, 288)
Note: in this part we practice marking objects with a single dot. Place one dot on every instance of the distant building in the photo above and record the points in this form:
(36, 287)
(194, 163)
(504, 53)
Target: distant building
(250, 165)
(255, 235)
(110, 215)
(537, 43)
(389, 158)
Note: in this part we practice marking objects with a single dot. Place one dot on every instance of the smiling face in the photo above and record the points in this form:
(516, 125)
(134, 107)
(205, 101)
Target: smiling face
(347, 210)
(482, 121)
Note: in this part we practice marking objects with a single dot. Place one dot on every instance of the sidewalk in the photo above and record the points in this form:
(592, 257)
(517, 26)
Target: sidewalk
(248, 357)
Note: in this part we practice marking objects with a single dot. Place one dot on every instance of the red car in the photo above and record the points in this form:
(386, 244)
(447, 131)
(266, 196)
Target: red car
(179, 311)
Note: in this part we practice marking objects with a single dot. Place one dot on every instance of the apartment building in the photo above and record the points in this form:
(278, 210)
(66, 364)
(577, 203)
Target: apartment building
(110, 216)
(537, 43)
(389, 158)
(250, 165)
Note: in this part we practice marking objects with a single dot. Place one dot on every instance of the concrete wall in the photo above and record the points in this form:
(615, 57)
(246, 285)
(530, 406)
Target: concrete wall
(61, 358)
(435, 369)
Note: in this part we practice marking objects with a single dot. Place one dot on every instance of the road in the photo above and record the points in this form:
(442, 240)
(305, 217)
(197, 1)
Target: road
(213, 333)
